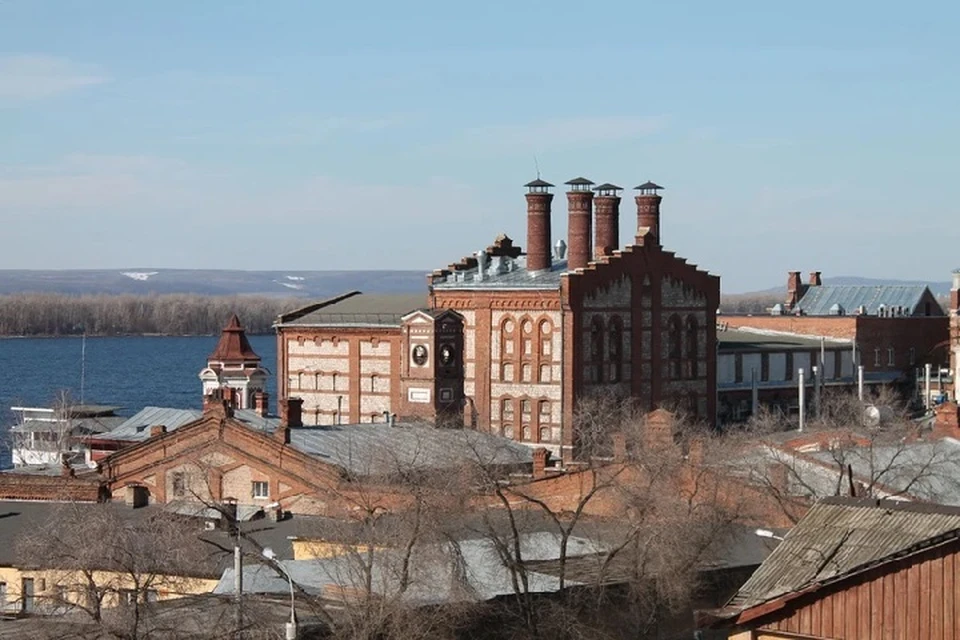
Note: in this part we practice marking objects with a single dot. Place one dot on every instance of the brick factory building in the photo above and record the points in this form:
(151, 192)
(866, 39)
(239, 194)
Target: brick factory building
(894, 329)
(509, 341)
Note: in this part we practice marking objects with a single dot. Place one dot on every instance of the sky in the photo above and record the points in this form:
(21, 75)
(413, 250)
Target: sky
(397, 135)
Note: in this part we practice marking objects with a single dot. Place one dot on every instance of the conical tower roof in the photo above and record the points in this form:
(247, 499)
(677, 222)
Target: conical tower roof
(233, 345)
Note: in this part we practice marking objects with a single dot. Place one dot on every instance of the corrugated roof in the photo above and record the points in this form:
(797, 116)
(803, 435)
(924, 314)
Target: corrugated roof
(137, 427)
(840, 536)
(517, 278)
(742, 340)
(470, 571)
(379, 449)
(357, 310)
(818, 300)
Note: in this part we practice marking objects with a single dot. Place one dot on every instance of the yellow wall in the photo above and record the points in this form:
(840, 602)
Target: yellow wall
(73, 584)
(305, 549)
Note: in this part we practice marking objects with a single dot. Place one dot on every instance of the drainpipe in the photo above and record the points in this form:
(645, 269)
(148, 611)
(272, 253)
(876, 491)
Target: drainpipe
(800, 391)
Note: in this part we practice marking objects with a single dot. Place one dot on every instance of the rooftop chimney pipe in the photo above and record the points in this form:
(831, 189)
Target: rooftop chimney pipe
(648, 211)
(538, 225)
(580, 222)
(606, 208)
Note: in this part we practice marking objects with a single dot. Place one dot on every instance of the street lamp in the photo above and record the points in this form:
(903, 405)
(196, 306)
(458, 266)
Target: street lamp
(766, 533)
(292, 625)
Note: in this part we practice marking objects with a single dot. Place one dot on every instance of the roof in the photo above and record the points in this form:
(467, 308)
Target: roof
(381, 449)
(137, 427)
(580, 182)
(818, 299)
(355, 309)
(648, 185)
(78, 426)
(468, 571)
(505, 273)
(842, 536)
(538, 183)
(233, 345)
(606, 186)
(746, 340)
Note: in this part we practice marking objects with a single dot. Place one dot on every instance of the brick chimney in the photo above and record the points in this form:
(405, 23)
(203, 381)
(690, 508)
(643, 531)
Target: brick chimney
(815, 280)
(291, 412)
(606, 233)
(580, 222)
(157, 430)
(539, 250)
(261, 403)
(795, 288)
(955, 293)
(540, 457)
(648, 211)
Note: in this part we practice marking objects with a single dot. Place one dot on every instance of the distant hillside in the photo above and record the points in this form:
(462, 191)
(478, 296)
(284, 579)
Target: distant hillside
(305, 284)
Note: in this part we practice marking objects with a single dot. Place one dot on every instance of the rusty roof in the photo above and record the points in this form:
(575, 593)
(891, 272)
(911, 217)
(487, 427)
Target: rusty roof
(354, 309)
(233, 345)
(840, 537)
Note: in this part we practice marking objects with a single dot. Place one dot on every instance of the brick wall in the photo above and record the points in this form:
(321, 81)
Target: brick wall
(21, 486)
(844, 327)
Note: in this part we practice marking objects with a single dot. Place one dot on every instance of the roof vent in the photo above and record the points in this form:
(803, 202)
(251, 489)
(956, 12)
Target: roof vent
(837, 310)
(481, 264)
(561, 249)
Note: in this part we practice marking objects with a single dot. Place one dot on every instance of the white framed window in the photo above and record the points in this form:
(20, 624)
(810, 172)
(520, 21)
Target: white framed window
(876, 357)
(260, 489)
(891, 357)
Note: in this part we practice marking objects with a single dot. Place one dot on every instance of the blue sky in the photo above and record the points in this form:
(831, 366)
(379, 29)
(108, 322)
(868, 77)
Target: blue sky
(312, 135)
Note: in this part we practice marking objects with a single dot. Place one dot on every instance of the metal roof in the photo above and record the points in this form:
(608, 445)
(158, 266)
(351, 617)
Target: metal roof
(468, 571)
(579, 182)
(357, 309)
(840, 536)
(818, 300)
(518, 278)
(137, 427)
(538, 183)
(78, 426)
(648, 185)
(379, 449)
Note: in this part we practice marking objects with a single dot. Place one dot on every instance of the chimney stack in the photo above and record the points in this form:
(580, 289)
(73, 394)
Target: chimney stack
(955, 293)
(607, 229)
(648, 211)
(815, 280)
(291, 412)
(580, 222)
(261, 403)
(538, 225)
(795, 289)
(540, 457)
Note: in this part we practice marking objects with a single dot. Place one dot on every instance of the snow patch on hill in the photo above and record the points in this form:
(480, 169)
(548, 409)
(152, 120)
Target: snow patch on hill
(289, 285)
(295, 278)
(143, 276)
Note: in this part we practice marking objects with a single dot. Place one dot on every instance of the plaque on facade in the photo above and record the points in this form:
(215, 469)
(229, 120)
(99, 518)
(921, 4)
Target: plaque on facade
(418, 395)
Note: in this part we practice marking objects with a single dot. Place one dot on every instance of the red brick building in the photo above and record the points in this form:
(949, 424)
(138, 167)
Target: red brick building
(894, 328)
(509, 341)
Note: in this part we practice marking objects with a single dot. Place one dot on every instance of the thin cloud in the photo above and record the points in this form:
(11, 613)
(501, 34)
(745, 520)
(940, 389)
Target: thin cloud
(560, 133)
(35, 77)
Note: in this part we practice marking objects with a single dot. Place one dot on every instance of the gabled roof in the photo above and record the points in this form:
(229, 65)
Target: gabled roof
(355, 309)
(840, 537)
(233, 345)
(818, 300)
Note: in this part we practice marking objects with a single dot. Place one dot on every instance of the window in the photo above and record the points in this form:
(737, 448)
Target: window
(508, 372)
(525, 407)
(876, 357)
(615, 348)
(526, 433)
(506, 409)
(738, 367)
(913, 355)
(508, 431)
(544, 434)
(788, 371)
(260, 489)
(596, 350)
(544, 373)
(178, 484)
(764, 367)
(891, 357)
(128, 596)
(675, 346)
(693, 348)
(3, 595)
(526, 373)
(373, 384)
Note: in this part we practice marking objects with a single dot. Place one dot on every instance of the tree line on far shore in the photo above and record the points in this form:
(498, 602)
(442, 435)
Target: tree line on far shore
(51, 314)
(44, 314)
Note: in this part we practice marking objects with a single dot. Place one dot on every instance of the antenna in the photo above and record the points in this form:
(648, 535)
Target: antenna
(536, 165)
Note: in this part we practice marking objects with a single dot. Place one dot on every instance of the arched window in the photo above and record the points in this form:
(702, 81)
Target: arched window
(546, 330)
(675, 346)
(544, 434)
(507, 344)
(693, 347)
(506, 409)
(614, 348)
(596, 350)
(526, 433)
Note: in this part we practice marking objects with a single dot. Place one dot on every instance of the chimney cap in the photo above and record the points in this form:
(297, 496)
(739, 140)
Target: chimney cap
(607, 189)
(648, 187)
(538, 186)
(580, 184)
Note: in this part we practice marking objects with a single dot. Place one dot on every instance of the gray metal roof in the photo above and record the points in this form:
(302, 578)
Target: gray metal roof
(356, 309)
(137, 426)
(468, 571)
(818, 300)
(507, 277)
(379, 449)
(840, 536)
(78, 426)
